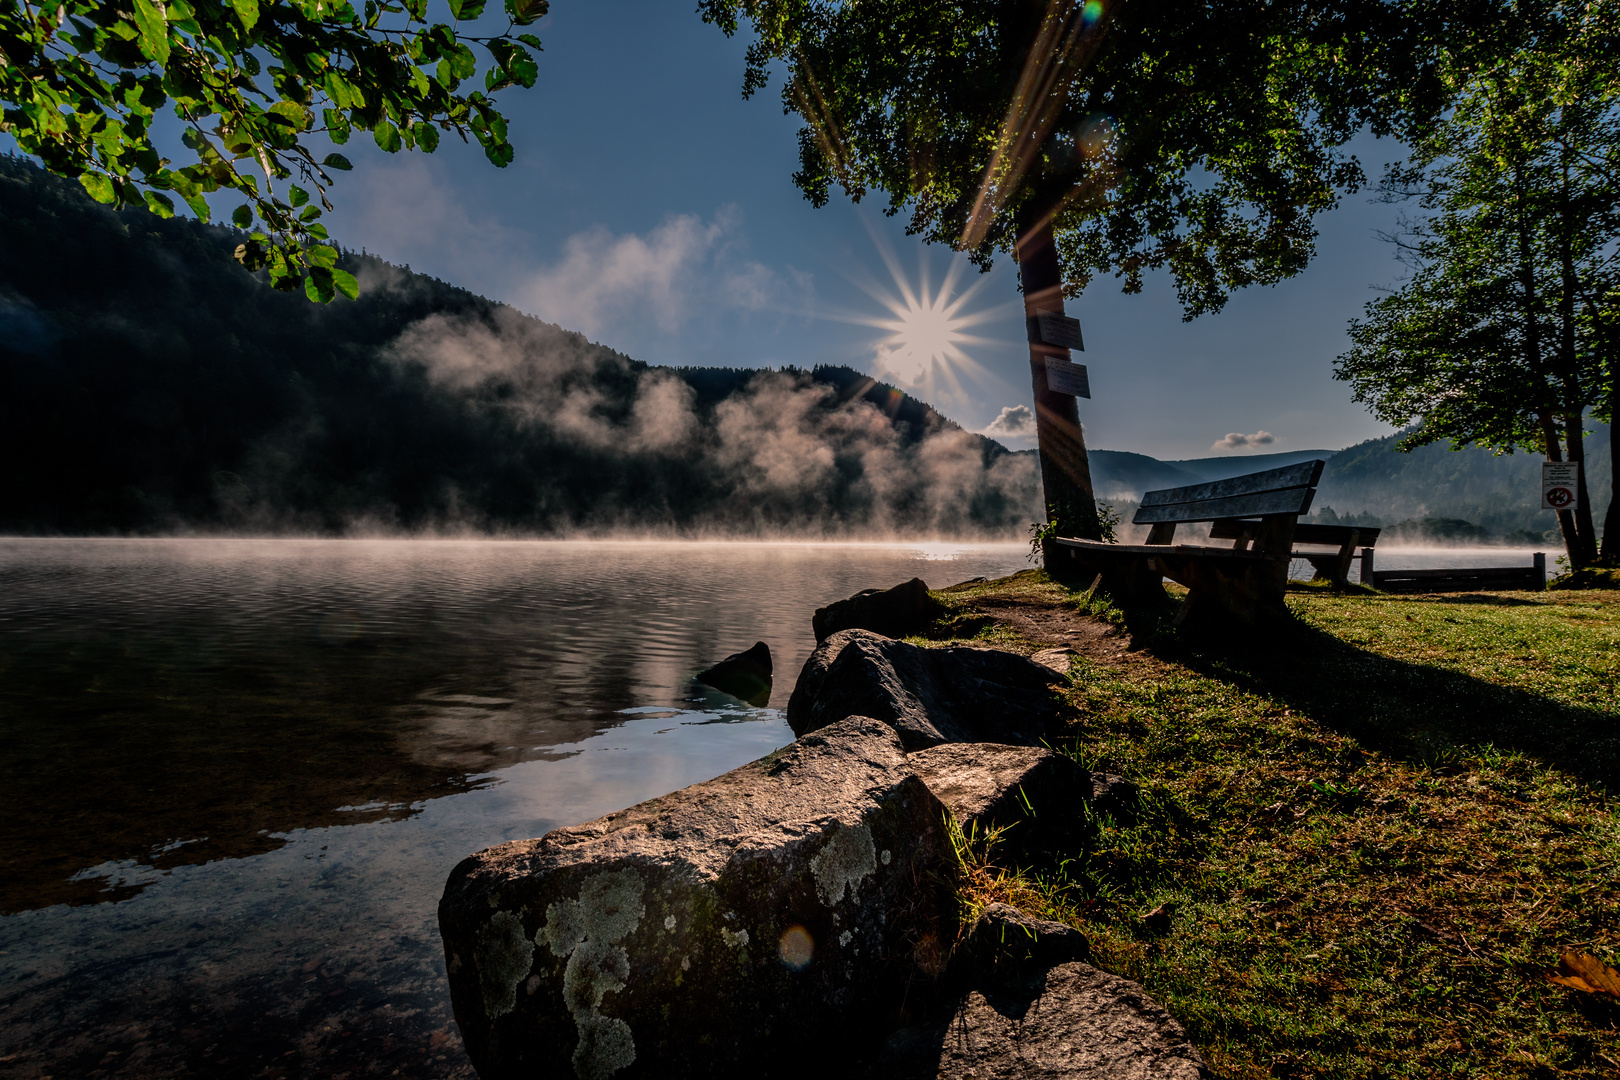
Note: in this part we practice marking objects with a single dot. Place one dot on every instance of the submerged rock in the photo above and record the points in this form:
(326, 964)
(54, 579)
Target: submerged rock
(1069, 1022)
(758, 922)
(745, 675)
(904, 609)
(930, 696)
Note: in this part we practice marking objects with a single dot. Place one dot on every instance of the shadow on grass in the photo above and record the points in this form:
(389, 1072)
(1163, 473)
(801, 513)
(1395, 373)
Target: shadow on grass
(1423, 714)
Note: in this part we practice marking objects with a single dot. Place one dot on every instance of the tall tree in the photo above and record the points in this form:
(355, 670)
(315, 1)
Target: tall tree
(1504, 334)
(256, 86)
(1088, 137)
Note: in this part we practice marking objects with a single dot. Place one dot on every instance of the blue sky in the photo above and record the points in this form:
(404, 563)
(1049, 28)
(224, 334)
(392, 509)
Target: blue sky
(651, 208)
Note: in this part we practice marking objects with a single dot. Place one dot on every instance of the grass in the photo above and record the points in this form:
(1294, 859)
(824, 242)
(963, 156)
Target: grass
(1372, 831)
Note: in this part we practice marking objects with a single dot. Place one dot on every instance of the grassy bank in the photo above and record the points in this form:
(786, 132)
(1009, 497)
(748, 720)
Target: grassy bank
(1370, 834)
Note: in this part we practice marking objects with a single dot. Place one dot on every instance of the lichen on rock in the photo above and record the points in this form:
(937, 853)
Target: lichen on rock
(505, 956)
(587, 932)
(847, 858)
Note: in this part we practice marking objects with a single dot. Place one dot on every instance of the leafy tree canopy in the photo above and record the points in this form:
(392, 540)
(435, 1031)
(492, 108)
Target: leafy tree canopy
(255, 85)
(1508, 329)
(1201, 138)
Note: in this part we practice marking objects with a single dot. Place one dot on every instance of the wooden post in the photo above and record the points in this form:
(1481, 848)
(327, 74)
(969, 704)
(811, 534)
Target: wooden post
(1367, 567)
(1539, 559)
(1061, 445)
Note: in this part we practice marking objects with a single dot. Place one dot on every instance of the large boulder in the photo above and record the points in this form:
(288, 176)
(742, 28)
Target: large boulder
(956, 693)
(904, 609)
(752, 924)
(1068, 1022)
(745, 675)
(1036, 797)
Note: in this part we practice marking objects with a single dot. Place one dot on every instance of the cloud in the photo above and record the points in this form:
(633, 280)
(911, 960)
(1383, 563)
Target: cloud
(1015, 422)
(1236, 440)
(683, 268)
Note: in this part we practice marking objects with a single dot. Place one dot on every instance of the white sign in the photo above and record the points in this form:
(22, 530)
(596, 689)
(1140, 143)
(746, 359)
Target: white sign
(1560, 485)
(1064, 376)
(1060, 330)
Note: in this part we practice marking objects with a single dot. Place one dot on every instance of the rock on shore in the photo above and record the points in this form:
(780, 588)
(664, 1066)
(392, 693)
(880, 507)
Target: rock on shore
(895, 612)
(759, 921)
(956, 693)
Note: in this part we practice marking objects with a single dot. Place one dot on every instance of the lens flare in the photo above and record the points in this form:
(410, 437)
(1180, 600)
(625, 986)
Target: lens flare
(1091, 13)
(797, 947)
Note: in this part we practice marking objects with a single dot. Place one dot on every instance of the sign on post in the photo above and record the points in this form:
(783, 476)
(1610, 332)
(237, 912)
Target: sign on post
(1059, 330)
(1064, 376)
(1560, 484)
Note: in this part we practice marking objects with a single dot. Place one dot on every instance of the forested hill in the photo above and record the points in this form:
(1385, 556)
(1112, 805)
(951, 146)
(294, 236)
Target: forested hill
(149, 384)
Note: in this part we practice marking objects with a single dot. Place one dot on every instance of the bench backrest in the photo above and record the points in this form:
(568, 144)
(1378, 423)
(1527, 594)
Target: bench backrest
(1304, 532)
(1287, 490)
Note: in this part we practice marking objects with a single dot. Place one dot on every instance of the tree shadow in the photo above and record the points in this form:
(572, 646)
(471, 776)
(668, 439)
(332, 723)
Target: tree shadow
(1412, 711)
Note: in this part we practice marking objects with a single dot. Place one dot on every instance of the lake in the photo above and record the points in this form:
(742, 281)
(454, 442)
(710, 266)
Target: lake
(237, 772)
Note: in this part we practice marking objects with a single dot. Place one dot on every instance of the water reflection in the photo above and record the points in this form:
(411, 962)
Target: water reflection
(273, 753)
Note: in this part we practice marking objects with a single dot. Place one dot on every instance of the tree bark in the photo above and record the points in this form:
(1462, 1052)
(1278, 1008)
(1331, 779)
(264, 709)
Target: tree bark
(1060, 441)
(1611, 520)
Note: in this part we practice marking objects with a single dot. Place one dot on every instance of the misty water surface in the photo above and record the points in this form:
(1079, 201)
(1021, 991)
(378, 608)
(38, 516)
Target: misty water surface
(236, 773)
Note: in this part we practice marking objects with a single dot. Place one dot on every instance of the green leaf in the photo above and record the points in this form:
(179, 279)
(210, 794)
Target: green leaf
(316, 229)
(427, 136)
(154, 31)
(336, 161)
(100, 187)
(321, 255)
(242, 216)
(289, 113)
(247, 11)
(463, 62)
(297, 195)
(318, 285)
(199, 206)
(387, 136)
(337, 129)
(465, 10)
(346, 284)
(524, 12)
(530, 40)
(310, 213)
(523, 68)
(499, 154)
(160, 204)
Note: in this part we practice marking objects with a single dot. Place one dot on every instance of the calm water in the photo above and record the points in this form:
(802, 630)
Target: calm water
(236, 773)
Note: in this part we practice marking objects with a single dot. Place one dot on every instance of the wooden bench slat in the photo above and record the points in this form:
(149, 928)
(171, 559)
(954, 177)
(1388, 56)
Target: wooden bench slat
(1296, 500)
(1157, 549)
(1304, 532)
(1302, 474)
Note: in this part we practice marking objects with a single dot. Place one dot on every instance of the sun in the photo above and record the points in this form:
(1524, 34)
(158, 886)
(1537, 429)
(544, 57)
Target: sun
(927, 327)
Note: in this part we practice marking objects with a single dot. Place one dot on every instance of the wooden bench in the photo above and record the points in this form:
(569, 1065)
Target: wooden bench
(1532, 578)
(1245, 580)
(1331, 566)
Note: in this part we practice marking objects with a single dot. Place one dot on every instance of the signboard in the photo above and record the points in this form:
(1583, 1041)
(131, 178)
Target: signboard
(1064, 376)
(1060, 330)
(1560, 484)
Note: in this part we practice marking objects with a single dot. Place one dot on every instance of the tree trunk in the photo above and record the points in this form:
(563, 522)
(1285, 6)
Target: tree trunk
(1569, 374)
(1065, 468)
(1611, 520)
(1533, 362)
